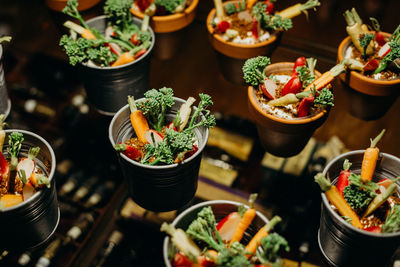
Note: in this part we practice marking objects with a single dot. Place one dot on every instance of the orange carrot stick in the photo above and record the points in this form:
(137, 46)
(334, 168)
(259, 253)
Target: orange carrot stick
(250, 3)
(263, 232)
(336, 198)
(246, 220)
(87, 34)
(326, 78)
(124, 58)
(371, 156)
(138, 120)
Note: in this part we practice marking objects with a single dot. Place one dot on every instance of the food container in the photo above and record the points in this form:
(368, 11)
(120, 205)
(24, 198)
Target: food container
(231, 56)
(32, 222)
(170, 29)
(341, 243)
(282, 137)
(107, 87)
(220, 208)
(368, 99)
(5, 103)
(58, 5)
(158, 188)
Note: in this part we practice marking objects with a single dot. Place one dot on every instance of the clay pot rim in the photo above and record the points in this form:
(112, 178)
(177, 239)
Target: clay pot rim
(254, 102)
(341, 50)
(211, 15)
(154, 167)
(336, 215)
(52, 169)
(175, 16)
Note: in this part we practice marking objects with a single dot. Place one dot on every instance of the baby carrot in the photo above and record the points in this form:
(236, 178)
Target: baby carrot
(336, 198)
(138, 120)
(246, 220)
(371, 156)
(124, 58)
(250, 3)
(326, 78)
(263, 232)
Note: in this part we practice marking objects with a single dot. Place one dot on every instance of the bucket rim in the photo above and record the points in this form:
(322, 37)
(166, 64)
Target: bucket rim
(326, 204)
(51, 173)
(194, 207)
(160, 167)
(148, 52)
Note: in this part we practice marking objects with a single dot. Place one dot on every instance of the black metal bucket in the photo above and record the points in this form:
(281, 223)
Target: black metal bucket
(32, 222)
(5, 103)
(158, 188)
(345, 245)
(221, 208)
(107, 87)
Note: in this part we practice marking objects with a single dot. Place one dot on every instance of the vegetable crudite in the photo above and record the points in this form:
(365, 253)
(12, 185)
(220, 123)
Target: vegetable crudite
(199, 237)
(372, 89)
(29, 211)
(166, 162)
(169, 23)
(281, 132)
(112, 53)
(264, 26)
(366, 213)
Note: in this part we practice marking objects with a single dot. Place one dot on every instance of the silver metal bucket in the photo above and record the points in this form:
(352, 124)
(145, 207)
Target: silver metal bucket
(5, 103)
(108, 87)
(158, 188)
(32, 222)
(220, 208)
(345, 245)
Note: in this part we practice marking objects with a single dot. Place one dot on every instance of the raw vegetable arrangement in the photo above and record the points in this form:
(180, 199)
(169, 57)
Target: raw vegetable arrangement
(293, 94)
(378, 55)
(371, 206)
(159, 141)
(122, 43)
(161, 7)
(252, 21)
(20, 177)
(209, 243)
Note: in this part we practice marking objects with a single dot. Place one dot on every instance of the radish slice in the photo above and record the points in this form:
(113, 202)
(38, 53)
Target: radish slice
(27, 165)
(150, 134)
(384, 50)
(269, 88)
(109, 32)
(226, 228)
(172, 126)
(115, 48)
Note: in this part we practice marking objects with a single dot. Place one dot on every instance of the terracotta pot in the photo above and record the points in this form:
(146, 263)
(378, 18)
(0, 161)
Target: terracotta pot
(369, 99)
(282, 137)
(169, 29)
(231, 56)
(58, 5)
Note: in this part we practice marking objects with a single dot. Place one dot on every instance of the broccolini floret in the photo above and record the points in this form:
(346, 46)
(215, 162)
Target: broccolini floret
(325, 98)
(234, 256)
(268, 21)
(71, 9)
(205, 102)
(158, 153)
(254, 70)
(202, 230)
(171, 6)
(155, 106)
(271, 247)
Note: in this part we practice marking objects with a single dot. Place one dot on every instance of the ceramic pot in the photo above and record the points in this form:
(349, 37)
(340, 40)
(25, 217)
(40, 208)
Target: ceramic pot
(220, 208)
(31, 223)
(341, 243)
(108, 87)
(368, 99)
(58, 5)
(282, 137)
(231, 56)
(170, 29)
(5, 103)
(158, 188)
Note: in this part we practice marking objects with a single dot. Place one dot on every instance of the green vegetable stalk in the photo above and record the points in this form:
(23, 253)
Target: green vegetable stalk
(392, 223)
(271, 247)
(15, 140)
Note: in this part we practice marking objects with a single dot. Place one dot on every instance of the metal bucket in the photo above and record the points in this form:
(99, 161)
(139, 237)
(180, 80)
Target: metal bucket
(32, 222)
(107, 87)
(158, 188)
(5, 103)
(220, 208)
(345, 245)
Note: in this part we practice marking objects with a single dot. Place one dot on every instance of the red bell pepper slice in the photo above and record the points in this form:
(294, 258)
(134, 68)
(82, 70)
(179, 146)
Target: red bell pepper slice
(305, 105)
(301, 61)
(380, 38)
(4, 167)
(222, 26)
(371, 65)
(181, 260)
(293, 86)
(343, 179)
